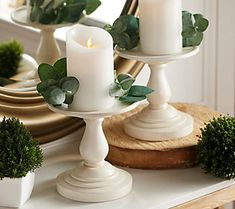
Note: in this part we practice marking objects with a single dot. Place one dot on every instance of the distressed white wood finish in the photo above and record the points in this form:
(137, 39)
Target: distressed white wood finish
(159, 121)
(94, 179)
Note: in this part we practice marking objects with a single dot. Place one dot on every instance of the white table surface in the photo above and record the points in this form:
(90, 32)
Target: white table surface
(152, 189)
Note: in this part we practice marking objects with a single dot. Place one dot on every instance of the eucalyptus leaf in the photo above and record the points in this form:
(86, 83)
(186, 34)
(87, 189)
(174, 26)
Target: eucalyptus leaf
(187, 21)
(60, 67)
(46, 72)
(119, 26)
(132, 24)
(69, 85)
(193, 26)
(38, 2)
(116, 90)
(54, 95)
(91, 6)
(122, 77)
(46, 17)
(125, 31)
(131, 99)
(194, 40)
(123, 40)
(75, 11)
(139, 91)
(50, 5)
(200, 22)
(62, 14)
(108, 27)
(68, 99)
(127, 83)
(189, 32)
(42, 87)
(55, 86)
(35, 13)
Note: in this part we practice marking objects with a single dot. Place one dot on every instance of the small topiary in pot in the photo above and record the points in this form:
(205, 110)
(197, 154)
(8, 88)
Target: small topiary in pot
(216, 147)
(20, 155)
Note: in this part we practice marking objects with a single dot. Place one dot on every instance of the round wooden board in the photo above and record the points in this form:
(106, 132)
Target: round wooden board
(176, 153)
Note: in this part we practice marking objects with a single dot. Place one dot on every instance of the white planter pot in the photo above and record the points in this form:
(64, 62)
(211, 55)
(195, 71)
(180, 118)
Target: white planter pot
(15, 192)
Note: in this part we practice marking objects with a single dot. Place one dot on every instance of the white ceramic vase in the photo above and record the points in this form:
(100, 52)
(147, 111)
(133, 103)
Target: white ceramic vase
(15, 192)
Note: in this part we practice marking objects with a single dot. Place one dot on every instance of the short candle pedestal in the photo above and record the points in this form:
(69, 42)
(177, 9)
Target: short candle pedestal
(159, 121)
(94, 179)
(48, 50)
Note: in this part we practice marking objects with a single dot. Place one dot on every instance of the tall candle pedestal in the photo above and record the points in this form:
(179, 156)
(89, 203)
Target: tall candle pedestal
(48, 50)
(94, 179)
(159, 121)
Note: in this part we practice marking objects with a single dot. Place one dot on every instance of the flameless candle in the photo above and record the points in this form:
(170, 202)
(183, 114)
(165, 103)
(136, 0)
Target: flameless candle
(160, 26)
(90, 60)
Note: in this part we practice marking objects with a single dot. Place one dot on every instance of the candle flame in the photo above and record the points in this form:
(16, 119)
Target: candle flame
(89, 43)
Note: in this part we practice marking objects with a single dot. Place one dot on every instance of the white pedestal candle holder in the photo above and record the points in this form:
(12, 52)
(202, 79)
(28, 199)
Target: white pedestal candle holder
(48, 50)
(159, 121)
(94, 179)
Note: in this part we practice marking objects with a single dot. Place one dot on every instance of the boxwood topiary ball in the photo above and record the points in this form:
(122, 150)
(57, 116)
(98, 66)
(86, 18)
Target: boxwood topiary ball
(10, 57)
(216, 147)
(19, 152)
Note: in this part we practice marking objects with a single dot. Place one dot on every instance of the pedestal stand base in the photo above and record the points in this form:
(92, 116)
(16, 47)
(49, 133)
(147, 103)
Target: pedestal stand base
(159, 125)
(94, 184)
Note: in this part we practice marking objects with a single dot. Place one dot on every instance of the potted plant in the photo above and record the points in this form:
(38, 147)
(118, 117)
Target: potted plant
(216, 147)
(20, 155)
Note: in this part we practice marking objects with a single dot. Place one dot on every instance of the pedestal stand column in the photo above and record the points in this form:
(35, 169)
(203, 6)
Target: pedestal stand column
(159, 121)
(48, 50)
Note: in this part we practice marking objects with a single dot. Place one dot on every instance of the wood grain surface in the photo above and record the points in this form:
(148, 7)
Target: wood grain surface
(214, 200)
(175, 153)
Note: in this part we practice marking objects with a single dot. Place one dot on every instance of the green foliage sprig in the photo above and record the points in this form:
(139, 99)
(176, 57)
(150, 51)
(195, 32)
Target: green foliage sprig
(19, 153)
(126, 92)
(193, 28)
(125, 30)
(55, 86)
(216, 148)
(56, 12)
(10, 57)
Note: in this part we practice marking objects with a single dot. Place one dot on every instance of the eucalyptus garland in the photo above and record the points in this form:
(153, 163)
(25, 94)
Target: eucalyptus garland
(126, 92)
(125, 30)
(61, 11)
(57, 88)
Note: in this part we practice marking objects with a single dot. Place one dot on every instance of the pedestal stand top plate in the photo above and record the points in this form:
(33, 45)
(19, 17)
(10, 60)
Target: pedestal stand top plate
(117, 108)
(138, 55)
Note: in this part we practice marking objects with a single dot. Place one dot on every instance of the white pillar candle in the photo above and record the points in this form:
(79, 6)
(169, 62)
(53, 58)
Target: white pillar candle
(90, 60)
(160, 26)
